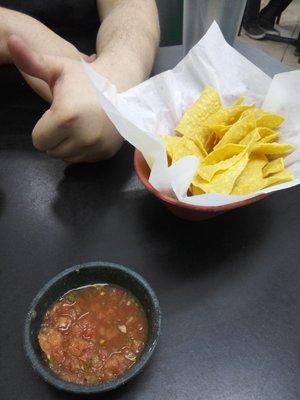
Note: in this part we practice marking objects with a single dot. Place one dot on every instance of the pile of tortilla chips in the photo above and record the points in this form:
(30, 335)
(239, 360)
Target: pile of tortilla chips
(236, 146)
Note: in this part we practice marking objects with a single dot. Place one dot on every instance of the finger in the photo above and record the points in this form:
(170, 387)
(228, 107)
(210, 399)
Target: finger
(39, 66)
(48, 133)
(66, 149)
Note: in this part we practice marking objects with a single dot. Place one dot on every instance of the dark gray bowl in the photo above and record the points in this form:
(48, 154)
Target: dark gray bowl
(80, 275)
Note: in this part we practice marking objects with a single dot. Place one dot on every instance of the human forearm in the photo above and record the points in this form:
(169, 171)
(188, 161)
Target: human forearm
(127, 42)
(40, 39)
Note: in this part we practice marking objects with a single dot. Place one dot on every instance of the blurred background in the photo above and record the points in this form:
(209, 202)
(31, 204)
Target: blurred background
(171, 17)
(289, 26)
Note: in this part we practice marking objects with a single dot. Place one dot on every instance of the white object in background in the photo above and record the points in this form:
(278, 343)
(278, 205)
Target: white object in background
(198, 15)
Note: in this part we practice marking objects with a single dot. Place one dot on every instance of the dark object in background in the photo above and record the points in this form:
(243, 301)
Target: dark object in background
(268, 14)
(258, 23)
(297, 51)
(171, 21)
(250, 20)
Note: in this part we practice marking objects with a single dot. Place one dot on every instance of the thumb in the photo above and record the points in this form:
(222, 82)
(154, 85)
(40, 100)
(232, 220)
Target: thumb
(39, 66)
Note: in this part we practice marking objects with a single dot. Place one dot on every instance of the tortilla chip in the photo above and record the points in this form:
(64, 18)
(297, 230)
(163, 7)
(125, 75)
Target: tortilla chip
(171, 142)
(208, 103)
(198, 140)
(219, 130)
(251, 179)
(222, 153)
(238, 131)
(280, 177)
(269, 120)
(265, 131)
(227, 116)
(248, 112)
(211, 141)
(220, 160)
(273, 167)
(271, 138)
(258, 113)
(251, 138)
(239, 101)
(185, 147)
(196, 190)
(223, 182)
(273, 148)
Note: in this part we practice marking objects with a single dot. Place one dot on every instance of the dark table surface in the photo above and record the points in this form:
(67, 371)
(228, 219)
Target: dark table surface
(228, 287)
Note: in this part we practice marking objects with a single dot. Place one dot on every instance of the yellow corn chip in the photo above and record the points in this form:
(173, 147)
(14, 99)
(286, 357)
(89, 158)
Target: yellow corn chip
(239, 101)
(258, 113)
(171, 142)
(251, 179)
(271, 138)
(179, 147)
(227, 116)
(273, 148)
(225, 157)
(238, 131)
(220, 160)
(199, 139)
(280, 177)
(269, 120)
(222, 153)
(196, 190)
(251, 138)
(219, 130)
(265, 131)
(223, 182)
(248, 112)
(208, 103)
(185, 147)
(273, 167)
(211, 141)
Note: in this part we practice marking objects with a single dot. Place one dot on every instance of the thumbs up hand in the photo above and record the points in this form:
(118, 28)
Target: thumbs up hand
(74, 128)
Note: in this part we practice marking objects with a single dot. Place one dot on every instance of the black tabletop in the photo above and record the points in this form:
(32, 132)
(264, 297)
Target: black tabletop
(228, 287)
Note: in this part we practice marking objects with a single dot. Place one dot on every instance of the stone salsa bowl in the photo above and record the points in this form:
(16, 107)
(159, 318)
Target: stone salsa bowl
(81, 275)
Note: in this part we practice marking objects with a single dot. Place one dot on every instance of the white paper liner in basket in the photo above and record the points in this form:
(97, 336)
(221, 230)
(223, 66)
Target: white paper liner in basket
(154, 107)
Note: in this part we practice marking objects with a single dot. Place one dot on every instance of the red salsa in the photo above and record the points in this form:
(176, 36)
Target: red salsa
(93, 334)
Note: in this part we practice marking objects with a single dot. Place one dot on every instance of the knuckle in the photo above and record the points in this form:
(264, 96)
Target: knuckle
(88, 140)
(68, 119)
(64, 116)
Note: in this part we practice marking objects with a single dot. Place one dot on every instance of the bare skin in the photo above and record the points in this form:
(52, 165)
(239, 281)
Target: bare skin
(74, 128)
